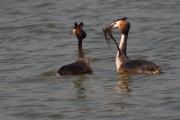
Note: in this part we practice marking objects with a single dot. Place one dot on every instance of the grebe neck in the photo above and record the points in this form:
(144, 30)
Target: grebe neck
(80, 48)
(121, 56)
(123, 44)
(79, 44)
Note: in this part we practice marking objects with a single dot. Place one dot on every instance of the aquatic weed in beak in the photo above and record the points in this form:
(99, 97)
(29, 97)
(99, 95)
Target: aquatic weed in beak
(108, 35)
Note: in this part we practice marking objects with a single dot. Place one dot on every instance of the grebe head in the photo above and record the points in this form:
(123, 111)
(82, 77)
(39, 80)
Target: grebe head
(78, 31)
(122, 25)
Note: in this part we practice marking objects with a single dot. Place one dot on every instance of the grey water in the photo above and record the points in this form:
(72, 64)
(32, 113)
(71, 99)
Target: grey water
(35, 41)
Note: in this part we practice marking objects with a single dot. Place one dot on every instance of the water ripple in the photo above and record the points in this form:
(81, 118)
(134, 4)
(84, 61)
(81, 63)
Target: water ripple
(35, 42)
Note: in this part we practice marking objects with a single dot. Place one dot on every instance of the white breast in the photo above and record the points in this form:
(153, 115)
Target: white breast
(118, 61)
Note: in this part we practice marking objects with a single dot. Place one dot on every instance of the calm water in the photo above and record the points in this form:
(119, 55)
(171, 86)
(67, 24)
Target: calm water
(35, 42)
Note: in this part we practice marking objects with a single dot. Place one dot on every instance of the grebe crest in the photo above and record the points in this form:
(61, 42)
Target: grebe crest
(123, 63)
(82, 66)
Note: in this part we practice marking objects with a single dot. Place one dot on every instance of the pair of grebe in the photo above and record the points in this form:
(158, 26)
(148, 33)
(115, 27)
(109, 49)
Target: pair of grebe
(124, 64)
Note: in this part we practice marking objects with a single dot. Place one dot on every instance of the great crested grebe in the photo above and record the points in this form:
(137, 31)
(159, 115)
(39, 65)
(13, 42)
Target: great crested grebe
(124, 64)
(82, 66)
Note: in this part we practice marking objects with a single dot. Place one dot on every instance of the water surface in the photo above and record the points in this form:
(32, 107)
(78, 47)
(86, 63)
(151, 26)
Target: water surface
(35, 42)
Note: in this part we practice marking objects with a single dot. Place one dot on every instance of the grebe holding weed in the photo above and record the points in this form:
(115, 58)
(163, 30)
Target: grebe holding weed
(124, 64)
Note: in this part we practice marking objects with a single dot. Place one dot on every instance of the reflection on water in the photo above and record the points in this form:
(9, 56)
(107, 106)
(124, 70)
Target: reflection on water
(80, 88)
(123, 84)
(49, 73)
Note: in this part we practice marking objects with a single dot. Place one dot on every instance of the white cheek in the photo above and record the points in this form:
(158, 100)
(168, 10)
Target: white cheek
(116, 24)
(113, 24)
(73, 31)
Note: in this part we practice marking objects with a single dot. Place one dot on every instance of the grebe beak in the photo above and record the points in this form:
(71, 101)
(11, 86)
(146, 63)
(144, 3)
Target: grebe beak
(112, 24)
(115, 24)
